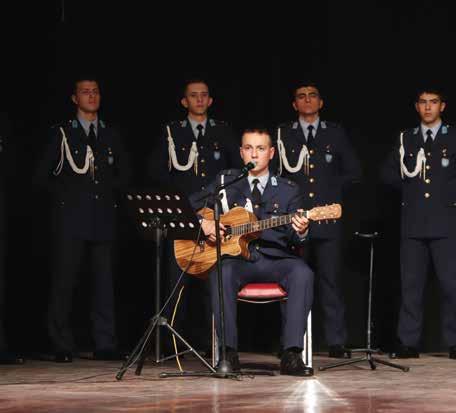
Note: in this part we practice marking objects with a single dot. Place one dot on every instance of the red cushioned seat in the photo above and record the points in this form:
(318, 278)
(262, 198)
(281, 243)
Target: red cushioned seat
(262, 291)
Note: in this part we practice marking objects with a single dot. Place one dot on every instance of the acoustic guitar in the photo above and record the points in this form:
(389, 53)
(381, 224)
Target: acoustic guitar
(242, 227)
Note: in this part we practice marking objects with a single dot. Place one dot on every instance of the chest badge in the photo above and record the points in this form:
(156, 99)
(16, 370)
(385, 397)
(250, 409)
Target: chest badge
(445, 160)
(328, 157)
(110, 157)
(216, 151)
(274, 181)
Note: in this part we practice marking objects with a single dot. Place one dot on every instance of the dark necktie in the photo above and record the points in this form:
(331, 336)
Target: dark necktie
(429, 142)
(310, 136)
(92, 137)
(200, 131)
(256, 193)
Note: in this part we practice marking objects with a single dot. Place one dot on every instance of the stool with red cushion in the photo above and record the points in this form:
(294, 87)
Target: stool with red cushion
(265, 293)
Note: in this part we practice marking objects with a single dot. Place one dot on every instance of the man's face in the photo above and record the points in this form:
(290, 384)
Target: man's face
(429, 107)
(307, 101)
(256, 147)
(197, 99)
(87, 96)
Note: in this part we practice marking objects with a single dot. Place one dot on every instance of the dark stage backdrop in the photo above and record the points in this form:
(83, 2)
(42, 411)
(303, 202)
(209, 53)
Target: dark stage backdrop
(368, 59)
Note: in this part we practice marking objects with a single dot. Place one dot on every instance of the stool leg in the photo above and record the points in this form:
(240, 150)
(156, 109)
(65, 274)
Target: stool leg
(307, 347)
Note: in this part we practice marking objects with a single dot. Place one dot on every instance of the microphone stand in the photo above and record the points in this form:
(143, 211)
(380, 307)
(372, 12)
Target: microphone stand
(224, 369)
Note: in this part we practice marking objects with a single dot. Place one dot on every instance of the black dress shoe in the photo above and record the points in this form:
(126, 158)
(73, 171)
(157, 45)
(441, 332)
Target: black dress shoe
(339, 352)
(107, 354)
(452, 352)
(63, 357)
(233, 357)
(405, 352)
(10, 358)
(291, 364)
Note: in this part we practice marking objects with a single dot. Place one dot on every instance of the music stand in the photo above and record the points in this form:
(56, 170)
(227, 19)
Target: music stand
(160, 214)
(368, 350)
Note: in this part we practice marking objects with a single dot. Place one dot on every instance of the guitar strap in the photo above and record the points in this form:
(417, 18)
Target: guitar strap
(225, 205)
(224, 198)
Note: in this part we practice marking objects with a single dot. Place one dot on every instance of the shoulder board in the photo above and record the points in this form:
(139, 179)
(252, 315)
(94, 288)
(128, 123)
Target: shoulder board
(289, 124)
(228, 172)
(177, 123)
(284, 181)
(410, 131)
(326, 124)
(65, 124)
(217, 122)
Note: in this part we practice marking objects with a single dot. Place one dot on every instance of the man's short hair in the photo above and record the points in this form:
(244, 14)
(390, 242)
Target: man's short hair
(435, 90)
(86, 77)
(260, 130)
(192, 81)
(303, 83)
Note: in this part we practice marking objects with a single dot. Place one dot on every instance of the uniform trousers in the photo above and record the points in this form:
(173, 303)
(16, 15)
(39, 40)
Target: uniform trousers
(415, 258)
(292, 274)
(68, 258)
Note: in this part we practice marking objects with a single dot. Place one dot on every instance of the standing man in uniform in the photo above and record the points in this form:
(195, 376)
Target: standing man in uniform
(422, 166)
(191, 152)
(84, 168)
(318, 156)
(6, 357)
(271, 256)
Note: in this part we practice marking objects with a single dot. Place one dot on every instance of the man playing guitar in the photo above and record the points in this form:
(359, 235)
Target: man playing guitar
(272, 257)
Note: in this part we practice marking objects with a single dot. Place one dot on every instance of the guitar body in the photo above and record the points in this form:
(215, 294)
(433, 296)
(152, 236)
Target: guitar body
(198, 258)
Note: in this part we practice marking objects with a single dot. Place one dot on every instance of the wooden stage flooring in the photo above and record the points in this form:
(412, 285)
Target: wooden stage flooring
(91, 386)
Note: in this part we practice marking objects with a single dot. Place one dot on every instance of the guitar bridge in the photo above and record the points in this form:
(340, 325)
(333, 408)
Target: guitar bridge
(202, 245)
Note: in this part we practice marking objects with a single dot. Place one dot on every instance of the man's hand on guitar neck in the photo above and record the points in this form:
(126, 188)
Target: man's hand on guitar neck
(208, 227)
(300, 223)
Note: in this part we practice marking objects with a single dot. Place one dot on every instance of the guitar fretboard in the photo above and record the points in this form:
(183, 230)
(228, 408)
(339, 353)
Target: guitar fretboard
(256, 226)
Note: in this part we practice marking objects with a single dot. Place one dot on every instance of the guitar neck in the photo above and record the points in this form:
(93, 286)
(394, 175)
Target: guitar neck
(268, 223)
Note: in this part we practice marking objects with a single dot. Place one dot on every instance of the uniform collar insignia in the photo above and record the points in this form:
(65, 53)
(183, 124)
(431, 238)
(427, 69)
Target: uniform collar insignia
(184, 123)
(212, 122)
(415, 131)
(274, 181)
(102, 124)
(295, 125)
(74, 123)
(444, 129)
(323, 124)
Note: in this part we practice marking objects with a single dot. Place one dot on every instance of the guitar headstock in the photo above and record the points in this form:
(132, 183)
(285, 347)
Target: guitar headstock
(333, 211)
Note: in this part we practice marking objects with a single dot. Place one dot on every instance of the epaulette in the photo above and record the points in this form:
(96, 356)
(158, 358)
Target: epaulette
(327, 124)
(65, 123)
(228, 172)
(217, 122)
(289, 124)
(283, 180)
(182, 123)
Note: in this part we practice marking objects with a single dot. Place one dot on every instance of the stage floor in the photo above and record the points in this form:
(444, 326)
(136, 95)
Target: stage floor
(91, 386)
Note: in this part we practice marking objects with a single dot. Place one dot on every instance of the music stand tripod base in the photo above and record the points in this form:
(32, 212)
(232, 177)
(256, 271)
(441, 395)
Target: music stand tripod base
(368, 350)
(369, 358)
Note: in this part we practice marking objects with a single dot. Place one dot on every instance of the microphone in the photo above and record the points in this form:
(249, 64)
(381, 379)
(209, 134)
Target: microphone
(247, 167)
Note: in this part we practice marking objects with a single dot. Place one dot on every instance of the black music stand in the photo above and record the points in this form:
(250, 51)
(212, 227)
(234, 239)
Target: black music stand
(160, 214)
(368, 350)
